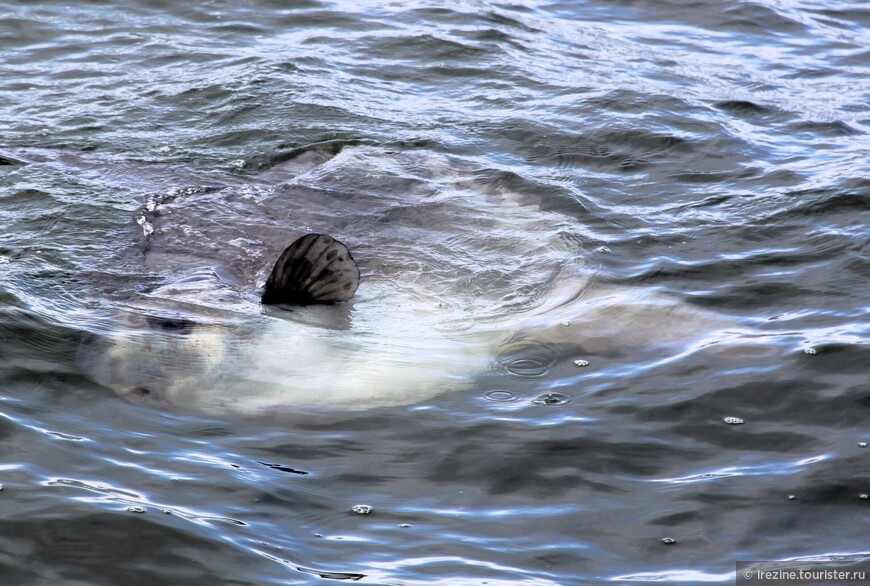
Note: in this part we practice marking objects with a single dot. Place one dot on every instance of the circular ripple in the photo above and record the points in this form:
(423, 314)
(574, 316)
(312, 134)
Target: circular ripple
(500, 396)
(529, 361)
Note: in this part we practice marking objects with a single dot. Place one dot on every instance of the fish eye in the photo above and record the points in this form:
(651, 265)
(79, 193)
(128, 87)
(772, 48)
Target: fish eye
(141, 395)
(178, 325)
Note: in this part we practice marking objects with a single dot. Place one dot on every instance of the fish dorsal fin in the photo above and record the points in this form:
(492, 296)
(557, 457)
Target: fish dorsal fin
(314, 269)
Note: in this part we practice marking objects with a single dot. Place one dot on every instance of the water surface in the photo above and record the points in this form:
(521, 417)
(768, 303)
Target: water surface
(714, 153)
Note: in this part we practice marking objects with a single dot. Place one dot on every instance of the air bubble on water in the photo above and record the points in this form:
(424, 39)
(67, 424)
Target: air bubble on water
(581, 363)
(166, 511)
(810, 351)
(792, 497)
(566, 323)
(668, 540)
(135, 509)
(862, 444)
(318, 535)
(733, 421)
(405, 525)
(864, 496)
(551, 399)
(361, 509)
(239, 164)
(602, 249)
(164, 150)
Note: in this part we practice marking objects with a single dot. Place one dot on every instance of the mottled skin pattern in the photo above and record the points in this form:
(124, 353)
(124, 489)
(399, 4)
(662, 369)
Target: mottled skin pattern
(314, 269)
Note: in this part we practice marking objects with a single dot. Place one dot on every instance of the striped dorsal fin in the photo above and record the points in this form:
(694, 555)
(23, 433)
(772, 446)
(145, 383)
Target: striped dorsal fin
(314, 269)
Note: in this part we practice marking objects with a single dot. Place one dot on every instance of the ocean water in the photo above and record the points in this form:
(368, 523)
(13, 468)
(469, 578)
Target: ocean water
(712, 154)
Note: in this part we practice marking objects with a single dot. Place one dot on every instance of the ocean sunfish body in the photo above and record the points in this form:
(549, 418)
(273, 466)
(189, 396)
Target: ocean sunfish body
(456, 269)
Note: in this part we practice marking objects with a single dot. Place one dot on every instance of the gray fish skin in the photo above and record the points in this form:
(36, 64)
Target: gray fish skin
(314, 269)
(463, 273)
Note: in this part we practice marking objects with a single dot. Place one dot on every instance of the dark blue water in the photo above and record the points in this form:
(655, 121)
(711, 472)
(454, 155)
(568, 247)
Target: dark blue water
(711, 154)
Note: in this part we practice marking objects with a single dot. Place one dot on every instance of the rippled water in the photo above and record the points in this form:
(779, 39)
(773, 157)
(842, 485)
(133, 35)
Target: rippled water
(711, 154)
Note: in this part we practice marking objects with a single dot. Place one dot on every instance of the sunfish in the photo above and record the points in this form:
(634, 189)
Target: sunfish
(456, 269)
